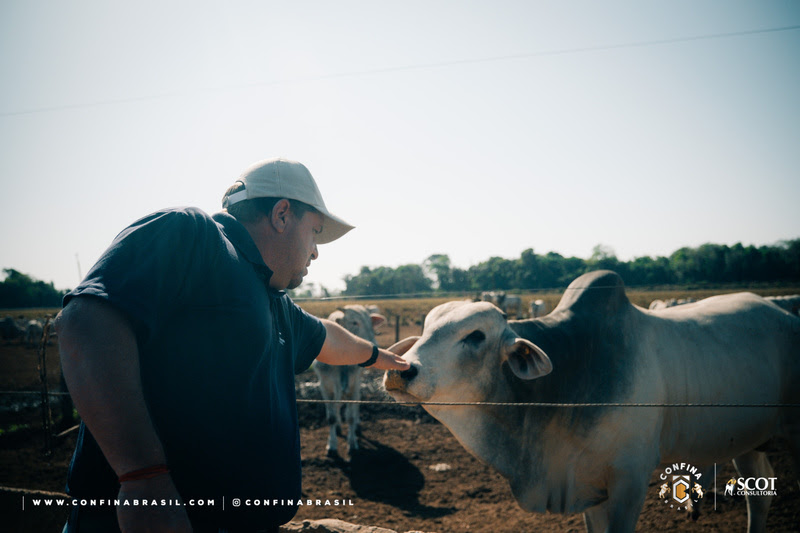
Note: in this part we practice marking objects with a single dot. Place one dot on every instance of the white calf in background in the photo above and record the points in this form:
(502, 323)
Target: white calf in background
(538, 308)
(344, 382)
(33, 333)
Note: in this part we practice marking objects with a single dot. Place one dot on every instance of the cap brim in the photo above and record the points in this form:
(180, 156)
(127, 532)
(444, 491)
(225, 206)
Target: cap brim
(332, 228)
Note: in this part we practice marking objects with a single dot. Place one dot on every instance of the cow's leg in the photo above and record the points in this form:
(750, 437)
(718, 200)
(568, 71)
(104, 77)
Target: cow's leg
(791, 425)
(329, 383)
(332, 447)
(707, 478)
(352, 410)
(626, 495)
(620, 512)
(335, 421)
(794, 448)
(596, 518)
(755, 464)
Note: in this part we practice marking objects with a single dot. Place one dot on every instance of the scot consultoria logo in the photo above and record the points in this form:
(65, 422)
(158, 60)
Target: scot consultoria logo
(751, 486)
(729, 486)
(680, 486)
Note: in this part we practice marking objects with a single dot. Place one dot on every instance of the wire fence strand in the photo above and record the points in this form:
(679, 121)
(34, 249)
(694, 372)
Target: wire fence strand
(501, 404)
(551, 404)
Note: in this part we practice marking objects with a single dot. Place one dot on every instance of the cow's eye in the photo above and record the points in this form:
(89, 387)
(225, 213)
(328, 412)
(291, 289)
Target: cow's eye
(474, 338)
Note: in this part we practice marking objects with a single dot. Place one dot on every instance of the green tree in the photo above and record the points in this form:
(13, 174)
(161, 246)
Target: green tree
(495, 274)
(438, 267)
(406, 279)
(604, 258)
(528, 270)
(708, 263)
(21, 290)
(649, 271)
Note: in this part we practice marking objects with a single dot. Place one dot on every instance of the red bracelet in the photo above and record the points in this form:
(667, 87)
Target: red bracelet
(144, 473)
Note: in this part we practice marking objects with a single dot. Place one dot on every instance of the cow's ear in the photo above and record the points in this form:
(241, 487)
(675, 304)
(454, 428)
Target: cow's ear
(528, 361)
(403, 346)
(377, 320)
(337, 316)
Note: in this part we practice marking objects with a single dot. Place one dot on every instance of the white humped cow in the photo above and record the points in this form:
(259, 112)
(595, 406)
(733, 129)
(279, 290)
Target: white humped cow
(493, 297)
(512, 304)
(344, 382)
(10, 330)
(507, 303)
(596, 347)
(538, 308)
(791, 302)
(657, 305)
(33, 332)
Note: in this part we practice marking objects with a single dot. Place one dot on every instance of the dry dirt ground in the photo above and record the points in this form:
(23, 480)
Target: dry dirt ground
(410, 473)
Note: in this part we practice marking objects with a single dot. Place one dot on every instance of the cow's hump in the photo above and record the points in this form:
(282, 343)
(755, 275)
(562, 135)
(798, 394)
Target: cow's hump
(600, 292)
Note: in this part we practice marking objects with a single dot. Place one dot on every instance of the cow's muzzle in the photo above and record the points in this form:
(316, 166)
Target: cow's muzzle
(395, 380)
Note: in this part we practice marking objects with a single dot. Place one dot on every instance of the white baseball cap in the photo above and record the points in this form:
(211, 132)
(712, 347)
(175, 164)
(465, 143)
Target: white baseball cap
(281, 178)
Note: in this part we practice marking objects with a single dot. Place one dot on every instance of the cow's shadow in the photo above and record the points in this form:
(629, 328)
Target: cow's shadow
(382, 474)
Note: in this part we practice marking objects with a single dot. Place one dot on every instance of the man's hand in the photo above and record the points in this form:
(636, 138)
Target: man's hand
(390, 361)
(343, 348)
(167, 518)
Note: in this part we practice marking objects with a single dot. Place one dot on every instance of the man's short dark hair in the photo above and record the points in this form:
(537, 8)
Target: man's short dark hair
(253, 209)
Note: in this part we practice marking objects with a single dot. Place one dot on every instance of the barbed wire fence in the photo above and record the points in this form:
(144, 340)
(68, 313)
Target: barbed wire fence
(45, 395)
(47, 426)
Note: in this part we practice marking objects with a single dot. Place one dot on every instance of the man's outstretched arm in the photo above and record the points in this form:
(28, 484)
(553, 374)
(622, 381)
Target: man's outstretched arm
(344, 348)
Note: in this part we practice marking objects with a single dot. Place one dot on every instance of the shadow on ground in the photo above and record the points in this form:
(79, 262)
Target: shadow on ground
(380, 473)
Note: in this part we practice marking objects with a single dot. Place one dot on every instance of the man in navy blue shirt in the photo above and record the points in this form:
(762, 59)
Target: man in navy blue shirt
(180, 349)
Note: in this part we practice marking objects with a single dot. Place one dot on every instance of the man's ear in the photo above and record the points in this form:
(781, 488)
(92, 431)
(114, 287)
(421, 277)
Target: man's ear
(280, 215)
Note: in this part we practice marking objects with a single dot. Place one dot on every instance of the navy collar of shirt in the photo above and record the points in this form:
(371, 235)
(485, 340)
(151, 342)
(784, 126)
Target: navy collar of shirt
(238, 235)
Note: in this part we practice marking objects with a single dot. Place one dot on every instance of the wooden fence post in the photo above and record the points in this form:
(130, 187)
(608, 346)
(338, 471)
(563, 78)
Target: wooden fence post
(46, 415)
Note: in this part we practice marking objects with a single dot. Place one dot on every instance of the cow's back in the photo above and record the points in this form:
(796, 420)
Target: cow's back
(587, 338)
(738, 333)
(725, 350)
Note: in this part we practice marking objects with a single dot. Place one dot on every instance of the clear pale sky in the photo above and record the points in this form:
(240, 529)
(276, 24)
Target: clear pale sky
(473, 129)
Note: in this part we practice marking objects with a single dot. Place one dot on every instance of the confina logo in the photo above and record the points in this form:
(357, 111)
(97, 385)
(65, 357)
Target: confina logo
(680, 486)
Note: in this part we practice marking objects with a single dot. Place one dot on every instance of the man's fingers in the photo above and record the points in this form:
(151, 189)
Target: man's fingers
(391, 361)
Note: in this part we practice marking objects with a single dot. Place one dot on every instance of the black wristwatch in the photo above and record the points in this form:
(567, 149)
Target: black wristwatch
(371, 360)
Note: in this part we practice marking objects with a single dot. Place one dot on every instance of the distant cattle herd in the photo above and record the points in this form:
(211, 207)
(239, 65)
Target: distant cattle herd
(25, 331)
(789, 303)
(512, 305)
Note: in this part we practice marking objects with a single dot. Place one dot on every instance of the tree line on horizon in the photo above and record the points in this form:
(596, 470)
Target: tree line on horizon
(21, 290)
(708, 264)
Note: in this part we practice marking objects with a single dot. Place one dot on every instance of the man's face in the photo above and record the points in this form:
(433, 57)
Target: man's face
(301, 238)
(287, 243)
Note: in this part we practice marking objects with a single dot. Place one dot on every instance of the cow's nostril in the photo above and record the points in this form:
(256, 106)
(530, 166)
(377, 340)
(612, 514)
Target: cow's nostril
(409, 374)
